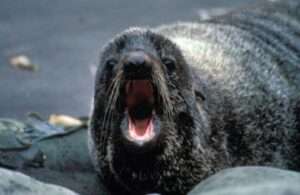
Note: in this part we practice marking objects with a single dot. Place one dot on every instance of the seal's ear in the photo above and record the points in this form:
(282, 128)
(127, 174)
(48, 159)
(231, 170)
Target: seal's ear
(199, 96)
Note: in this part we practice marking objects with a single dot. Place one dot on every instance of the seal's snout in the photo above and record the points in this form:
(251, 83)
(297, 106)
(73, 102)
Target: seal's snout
(137, 65)
(140, 98)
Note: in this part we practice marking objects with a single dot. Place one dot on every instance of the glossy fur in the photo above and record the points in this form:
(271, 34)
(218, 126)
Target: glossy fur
(235, 99)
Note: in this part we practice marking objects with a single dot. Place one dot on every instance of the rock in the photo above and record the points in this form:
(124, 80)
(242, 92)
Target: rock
(9, 129)
(14, 183)
(50, 154)
(23, 62)
(249, 181)
(64, 120)
(67, 164)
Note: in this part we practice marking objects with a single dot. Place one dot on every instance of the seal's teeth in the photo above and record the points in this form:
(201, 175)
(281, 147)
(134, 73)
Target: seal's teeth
(141, 129)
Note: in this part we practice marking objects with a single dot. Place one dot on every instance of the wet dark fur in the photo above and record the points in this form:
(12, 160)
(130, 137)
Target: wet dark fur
(234, 94)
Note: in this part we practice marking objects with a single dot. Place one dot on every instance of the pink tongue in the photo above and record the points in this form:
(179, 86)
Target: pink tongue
(141, 129)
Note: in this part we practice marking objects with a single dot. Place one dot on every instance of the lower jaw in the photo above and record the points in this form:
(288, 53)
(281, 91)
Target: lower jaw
(132, 142)
(144, 133)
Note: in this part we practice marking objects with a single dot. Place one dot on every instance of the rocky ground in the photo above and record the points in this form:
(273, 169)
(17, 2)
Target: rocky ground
(57, 161)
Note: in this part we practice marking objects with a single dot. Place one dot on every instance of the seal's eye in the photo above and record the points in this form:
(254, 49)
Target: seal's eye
(110, 64)
(169, 63)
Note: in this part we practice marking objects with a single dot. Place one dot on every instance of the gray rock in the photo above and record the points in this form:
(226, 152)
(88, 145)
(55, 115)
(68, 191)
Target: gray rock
(14, 183)
(250, 181)
(52, 155)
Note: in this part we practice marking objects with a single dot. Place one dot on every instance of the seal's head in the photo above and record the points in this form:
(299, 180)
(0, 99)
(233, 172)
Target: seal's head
(143, 106)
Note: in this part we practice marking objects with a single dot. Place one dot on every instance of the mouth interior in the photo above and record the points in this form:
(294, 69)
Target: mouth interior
(140, 106)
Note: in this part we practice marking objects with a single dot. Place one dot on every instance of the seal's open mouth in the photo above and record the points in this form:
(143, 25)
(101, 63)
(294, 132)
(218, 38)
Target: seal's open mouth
(140, 106)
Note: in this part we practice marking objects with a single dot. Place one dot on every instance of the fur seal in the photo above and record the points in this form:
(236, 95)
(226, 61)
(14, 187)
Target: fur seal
(175, 104)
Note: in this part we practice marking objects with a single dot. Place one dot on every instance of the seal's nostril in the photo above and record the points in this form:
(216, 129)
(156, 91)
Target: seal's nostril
(134, 60)
(130, 67)
(137, 65)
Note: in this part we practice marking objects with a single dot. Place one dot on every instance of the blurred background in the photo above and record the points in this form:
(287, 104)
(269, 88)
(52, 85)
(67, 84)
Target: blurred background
(49, 48)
